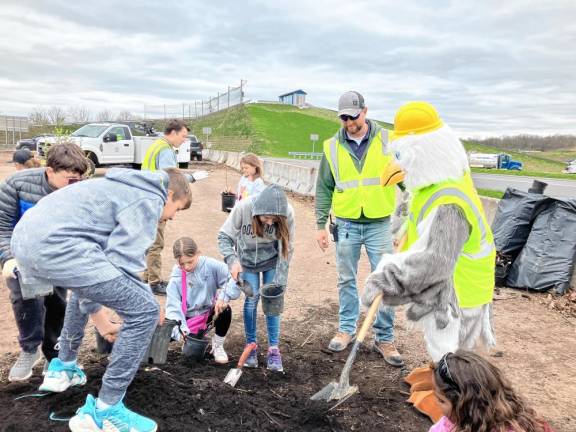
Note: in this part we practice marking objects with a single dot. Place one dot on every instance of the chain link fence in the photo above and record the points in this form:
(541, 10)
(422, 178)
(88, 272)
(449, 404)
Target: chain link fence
(11, 129)
(197, 109)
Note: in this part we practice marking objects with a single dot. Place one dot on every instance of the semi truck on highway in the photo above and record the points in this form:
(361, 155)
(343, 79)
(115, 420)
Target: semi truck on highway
(493, 160)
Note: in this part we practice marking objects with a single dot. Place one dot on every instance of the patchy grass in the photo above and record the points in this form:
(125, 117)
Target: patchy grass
(490, 193)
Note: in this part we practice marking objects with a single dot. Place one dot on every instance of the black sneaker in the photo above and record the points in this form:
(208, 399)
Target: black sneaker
(159, 288)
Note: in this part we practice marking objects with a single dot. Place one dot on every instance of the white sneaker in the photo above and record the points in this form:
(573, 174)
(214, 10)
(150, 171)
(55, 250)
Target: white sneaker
(21, 370)
(60, 377)
(218, 352)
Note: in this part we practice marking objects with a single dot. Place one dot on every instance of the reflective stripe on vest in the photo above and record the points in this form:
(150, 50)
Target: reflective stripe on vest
(486, 247)
(474, 270)
(356, 194)
(150, 162)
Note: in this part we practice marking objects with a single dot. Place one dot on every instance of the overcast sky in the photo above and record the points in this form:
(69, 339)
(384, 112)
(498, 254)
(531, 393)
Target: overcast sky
(490, 67)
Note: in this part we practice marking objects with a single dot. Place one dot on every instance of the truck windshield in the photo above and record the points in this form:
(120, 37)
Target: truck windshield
(90, 131)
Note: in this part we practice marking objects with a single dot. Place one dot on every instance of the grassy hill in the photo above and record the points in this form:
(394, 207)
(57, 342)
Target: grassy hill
(276, 129)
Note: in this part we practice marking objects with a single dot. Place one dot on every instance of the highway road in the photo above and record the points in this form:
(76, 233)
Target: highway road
(557, 188)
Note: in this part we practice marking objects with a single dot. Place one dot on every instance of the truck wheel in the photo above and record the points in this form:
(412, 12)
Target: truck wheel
(199, 157)
(91, 167)
(137, 166)
(182, 165)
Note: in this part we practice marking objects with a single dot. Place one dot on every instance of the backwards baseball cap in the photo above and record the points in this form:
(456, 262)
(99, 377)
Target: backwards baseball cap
(351, 103)
(21, 156)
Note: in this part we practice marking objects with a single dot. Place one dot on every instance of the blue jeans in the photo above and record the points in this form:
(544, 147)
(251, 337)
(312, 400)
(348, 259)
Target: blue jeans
(377, 240)
(251, 307)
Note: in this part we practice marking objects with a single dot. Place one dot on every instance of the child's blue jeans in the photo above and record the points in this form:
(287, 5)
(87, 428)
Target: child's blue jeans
(251, 307)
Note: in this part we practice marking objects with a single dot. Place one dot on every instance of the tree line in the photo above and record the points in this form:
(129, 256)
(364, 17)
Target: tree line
(56, 115)
(530, 142)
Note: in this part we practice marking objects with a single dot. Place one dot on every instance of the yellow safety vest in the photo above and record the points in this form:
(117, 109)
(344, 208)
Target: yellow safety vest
(360, 193)
(474, 272)
(150, 161)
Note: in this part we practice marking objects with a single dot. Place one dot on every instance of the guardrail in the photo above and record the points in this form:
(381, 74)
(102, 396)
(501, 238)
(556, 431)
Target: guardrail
(305, 155)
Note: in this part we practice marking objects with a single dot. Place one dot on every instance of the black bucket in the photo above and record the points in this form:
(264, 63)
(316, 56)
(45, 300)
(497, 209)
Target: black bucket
(272, 299)
(228, 200)
(537, 187)
(158, 349)
(102, 345)
(195, 348)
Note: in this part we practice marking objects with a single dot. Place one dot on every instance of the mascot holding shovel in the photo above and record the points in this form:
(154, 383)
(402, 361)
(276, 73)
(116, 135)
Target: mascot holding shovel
(445, 270)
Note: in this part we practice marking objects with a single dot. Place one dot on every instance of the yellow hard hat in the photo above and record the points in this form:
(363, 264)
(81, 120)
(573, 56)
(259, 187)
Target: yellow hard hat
(416, 118)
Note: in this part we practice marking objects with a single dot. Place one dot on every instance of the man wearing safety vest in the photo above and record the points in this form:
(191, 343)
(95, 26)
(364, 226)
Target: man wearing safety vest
(160, 155)
(349, 184)
(446, 271)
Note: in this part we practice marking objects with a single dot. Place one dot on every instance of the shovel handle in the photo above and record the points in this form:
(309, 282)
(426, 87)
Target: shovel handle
(369, 318)
(249, 348)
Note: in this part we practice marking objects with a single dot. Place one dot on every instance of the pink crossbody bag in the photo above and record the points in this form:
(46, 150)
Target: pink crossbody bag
(199, 322)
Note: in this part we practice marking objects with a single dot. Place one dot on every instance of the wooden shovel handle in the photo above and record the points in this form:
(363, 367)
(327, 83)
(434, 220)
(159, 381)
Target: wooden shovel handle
(369, 318)
(246, 353)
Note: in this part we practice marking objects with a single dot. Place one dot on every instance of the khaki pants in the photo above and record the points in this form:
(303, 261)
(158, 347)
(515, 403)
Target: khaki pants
(153, 273)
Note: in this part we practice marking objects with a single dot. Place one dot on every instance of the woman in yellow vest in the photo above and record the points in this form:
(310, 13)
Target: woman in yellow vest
(446, 269)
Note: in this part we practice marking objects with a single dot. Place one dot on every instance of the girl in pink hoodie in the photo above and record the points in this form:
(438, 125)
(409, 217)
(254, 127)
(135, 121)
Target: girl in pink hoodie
(474, 396)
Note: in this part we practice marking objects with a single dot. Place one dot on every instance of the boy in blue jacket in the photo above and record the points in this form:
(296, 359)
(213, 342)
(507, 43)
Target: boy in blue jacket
(91, 238)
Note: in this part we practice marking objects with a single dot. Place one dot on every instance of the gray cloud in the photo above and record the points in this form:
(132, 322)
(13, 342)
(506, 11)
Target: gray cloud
(489, 67)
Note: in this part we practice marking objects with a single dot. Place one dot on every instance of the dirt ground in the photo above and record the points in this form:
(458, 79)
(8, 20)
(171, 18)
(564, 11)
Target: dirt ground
(536, 349)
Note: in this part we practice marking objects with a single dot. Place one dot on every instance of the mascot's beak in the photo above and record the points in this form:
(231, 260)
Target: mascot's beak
(392, 175)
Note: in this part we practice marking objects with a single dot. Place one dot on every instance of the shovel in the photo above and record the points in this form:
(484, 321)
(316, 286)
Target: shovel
(342, 390)
(234, 375)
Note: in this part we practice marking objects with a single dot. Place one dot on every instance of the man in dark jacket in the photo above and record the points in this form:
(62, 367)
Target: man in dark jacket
(39, 320)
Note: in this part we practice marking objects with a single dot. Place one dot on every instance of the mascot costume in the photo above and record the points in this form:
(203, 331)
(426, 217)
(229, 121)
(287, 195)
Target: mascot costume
(445, 268)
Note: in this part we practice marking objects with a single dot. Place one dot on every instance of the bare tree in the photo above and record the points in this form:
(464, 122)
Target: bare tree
(124, 115)
(104, 115)
(56, 115)
(79, 114)
(39, 116)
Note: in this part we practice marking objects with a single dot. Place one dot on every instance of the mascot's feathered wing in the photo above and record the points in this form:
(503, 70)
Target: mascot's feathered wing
(445, 270)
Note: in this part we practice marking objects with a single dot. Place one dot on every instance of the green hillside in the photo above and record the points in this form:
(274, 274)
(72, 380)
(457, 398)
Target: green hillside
(276, 130)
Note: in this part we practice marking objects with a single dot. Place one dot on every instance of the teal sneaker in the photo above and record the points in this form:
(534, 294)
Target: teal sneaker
(117, 418)
(60, 377)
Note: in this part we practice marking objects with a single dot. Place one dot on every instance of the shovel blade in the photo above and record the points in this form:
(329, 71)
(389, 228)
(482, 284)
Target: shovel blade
(326, 393)
(233, 376)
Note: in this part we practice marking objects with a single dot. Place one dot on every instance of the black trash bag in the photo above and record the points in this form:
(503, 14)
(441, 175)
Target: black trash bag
(516, 212)
(547, 259)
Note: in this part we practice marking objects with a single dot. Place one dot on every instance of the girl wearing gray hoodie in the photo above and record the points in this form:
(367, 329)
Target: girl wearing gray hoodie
(257, 241)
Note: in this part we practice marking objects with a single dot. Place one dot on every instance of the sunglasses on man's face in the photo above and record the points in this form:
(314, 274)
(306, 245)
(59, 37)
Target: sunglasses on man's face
(346, 117)
(74, 180)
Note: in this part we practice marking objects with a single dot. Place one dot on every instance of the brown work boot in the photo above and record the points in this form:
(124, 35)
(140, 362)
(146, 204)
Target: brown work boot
(390, 353)
(340, 342)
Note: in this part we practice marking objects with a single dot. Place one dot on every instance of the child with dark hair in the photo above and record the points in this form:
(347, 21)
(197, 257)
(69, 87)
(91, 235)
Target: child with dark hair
(474, 396)
(257, 239)
(91, 238)
(39, 319)
(198, 294)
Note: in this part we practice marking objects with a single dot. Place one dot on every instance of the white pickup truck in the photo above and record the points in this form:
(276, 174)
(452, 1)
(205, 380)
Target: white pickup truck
(120, 144)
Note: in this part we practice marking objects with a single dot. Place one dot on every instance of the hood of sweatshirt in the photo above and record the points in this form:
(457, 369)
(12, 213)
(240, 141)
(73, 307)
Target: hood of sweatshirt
(271, 201)
(150, 181)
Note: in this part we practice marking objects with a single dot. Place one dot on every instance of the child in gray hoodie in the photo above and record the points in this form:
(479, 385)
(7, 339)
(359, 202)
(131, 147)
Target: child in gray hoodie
(91, 237)
(257, 240)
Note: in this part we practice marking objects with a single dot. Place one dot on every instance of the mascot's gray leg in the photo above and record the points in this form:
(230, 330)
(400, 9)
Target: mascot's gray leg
(476, 325)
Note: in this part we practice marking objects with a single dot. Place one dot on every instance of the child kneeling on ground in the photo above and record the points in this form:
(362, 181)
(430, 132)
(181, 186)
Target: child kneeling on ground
(194, 297)
(474, 395)
(91, 237)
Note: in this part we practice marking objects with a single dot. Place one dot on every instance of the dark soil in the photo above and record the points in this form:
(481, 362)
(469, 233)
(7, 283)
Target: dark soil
(184, 395)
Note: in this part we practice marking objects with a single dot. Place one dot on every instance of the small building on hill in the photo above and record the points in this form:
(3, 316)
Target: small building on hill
(297, 98)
